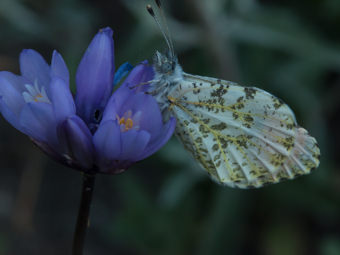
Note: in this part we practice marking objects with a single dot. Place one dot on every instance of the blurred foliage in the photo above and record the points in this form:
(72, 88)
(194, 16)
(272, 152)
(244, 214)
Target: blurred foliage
(166, 204)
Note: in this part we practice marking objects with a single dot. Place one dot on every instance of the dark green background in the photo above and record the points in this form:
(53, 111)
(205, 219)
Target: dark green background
(166, 204)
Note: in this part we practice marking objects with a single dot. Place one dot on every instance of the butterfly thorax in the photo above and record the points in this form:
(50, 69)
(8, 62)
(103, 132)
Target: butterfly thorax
(168, 74)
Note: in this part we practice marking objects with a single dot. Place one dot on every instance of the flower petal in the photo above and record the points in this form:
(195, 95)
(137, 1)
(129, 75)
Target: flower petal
(133, 144)
(38, 121)
(107, 142)
(126, 99)
(116, 101)
(150, 118)
(78, 140)
(142, 73)
(59, 68)
(62, 100)
(162, 138)
(17, 81)
(9, 115)
(95, 76)
(34, 68)
(11, 96)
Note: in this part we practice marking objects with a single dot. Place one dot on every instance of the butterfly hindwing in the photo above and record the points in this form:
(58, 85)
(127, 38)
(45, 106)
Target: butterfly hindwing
(244, 137)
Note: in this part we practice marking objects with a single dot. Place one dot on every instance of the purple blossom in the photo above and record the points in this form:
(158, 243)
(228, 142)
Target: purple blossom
(97, 131)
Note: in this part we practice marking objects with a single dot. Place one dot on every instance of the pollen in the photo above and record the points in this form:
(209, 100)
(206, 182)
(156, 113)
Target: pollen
(37, 97)
(125, 122)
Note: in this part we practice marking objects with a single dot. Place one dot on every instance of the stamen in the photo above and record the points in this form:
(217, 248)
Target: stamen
(36, 98)
(122, 121)
(34, 94)
(128, 124)
(128, 121)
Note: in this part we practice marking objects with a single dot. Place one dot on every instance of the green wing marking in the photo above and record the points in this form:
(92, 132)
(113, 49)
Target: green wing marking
(243, 137)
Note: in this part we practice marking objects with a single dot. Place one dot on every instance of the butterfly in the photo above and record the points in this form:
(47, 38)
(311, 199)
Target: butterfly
(244, 137)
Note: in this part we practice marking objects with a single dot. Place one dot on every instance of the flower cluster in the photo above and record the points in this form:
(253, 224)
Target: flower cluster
(95, 130)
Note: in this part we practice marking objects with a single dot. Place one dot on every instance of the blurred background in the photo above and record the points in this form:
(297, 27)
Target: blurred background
(166, 204)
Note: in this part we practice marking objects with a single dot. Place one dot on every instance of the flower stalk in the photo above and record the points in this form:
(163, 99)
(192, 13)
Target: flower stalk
(83, 220)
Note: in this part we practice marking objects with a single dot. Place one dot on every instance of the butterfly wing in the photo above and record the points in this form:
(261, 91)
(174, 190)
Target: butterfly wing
(242, 136)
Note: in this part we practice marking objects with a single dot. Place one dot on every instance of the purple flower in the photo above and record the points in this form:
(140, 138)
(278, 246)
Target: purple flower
(98, 131)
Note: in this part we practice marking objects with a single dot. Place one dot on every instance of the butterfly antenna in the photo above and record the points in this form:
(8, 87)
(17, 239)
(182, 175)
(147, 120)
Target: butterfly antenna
(167, 40)
(159, 5)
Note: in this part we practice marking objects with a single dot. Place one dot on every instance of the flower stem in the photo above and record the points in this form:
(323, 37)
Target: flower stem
(83, 214)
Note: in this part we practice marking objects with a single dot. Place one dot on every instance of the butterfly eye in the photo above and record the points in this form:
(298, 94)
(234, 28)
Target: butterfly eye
(167, 67)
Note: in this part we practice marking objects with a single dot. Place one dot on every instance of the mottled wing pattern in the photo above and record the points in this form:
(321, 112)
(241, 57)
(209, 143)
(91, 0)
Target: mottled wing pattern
(244, 137)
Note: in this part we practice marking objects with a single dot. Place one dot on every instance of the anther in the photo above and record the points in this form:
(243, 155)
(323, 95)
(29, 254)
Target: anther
(128, 124)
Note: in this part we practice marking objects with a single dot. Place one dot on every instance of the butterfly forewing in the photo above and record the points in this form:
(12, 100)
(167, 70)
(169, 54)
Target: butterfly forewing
(244, 137)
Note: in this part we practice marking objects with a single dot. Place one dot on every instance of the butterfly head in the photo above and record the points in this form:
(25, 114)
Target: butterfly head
(166, 67)
(164, 63)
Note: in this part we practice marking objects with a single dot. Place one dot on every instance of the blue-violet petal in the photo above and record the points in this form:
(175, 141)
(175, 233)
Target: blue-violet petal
(38, 121)
(139, 76)
(161, 139)
(10, 95)
(59, 68)
(133, 144)
(107, 142)
(78, 139)
(34, 68)
(62, 100)
(95, 76)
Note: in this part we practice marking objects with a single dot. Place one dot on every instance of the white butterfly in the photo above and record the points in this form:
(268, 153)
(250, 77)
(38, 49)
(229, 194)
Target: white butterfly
(242, 136)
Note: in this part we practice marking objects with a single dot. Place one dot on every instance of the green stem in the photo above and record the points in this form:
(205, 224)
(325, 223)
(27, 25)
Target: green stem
(83, 214)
